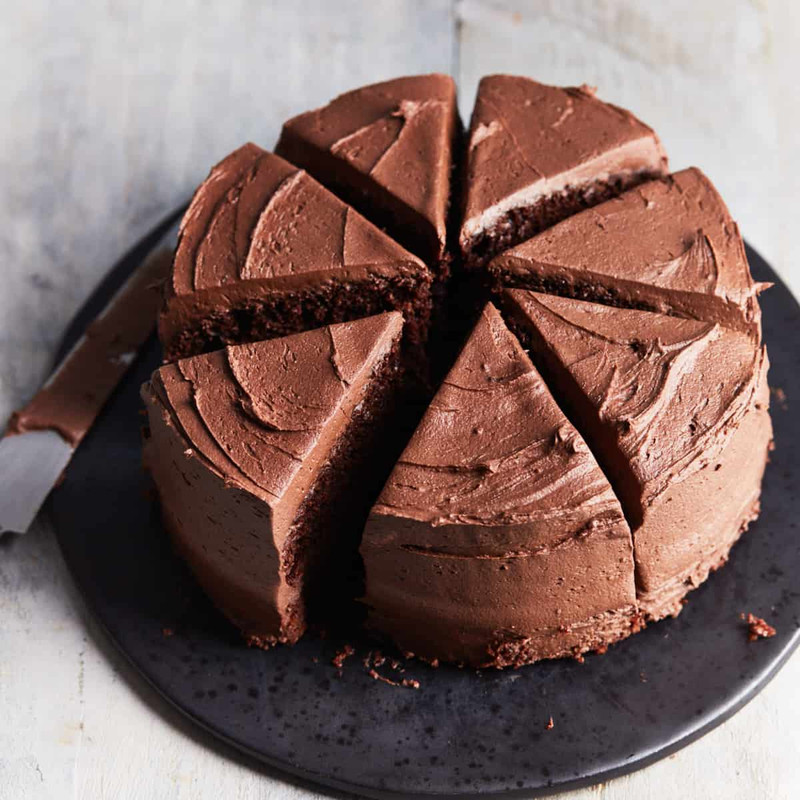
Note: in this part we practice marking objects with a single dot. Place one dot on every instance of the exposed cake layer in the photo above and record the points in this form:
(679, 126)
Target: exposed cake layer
(669, 245)
(676, 411)
(496, 527)
(387, 149)
(256, 310)
(264, 250)
(251, 449)
(537, 154)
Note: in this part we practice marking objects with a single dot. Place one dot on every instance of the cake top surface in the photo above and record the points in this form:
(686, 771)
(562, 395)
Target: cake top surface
(398, 132)
(257, 217)
(674, 233)
(527, 140)
(671, 390)
(494, 449)
(259, 414)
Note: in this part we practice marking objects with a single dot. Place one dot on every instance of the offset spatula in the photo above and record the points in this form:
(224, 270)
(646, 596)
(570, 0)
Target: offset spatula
(42, 436)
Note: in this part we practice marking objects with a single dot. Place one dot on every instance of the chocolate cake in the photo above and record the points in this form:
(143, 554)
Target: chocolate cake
(265, 457)
(677, 412)
(387, 149)
(582, 465)
(497, 540)
(264, 250)
(669, 245)
(537, 154)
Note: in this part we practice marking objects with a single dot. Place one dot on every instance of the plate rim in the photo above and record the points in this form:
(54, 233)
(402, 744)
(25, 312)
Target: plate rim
(708, 722)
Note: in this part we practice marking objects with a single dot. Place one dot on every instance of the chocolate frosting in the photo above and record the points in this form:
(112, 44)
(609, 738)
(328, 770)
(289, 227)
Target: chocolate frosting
(670, 244)
(662, 401)
(495, 475)
(73, 396)
(528, 140)
(398, 133)
(259, 224)
(262, 419)
(537, 511)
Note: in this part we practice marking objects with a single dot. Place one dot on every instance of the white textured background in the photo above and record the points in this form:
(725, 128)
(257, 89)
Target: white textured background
(111, 112)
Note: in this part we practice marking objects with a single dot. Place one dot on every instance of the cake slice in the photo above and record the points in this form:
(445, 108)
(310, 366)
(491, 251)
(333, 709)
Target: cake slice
(669, 245)
(388, 150)
(676, 412)
(497, 540)
(264, 251)
(537, 154)
(266, 458)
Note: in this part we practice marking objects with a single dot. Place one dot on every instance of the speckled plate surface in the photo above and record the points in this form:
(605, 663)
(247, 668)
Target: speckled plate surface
(460, 733)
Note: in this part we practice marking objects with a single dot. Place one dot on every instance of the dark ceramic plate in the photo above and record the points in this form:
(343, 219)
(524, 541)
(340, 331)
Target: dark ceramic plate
(462, 732)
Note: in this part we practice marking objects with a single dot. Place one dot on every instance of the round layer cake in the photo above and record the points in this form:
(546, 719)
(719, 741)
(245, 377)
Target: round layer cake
(591, 448)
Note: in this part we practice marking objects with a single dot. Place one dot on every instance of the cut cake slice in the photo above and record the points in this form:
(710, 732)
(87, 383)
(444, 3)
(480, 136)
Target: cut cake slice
(264, 251)
(676, 412)
(497, 540)
(537, 154)
(668, 245)
(388, 150)
(266, 458)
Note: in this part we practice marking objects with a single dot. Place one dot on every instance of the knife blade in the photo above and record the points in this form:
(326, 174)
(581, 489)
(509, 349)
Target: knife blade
(42, 436)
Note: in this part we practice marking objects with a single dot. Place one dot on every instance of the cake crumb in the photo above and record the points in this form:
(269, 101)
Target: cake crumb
(342, 656)
(550, 724)
(406, 683)
(758, 628)
(780, 397)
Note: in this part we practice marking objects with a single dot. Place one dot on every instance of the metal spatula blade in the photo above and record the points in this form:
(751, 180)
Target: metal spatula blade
(33, 454)
(30, 465)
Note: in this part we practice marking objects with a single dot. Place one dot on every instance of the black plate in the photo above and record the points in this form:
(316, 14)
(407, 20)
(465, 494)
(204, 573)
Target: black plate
(462, 732)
